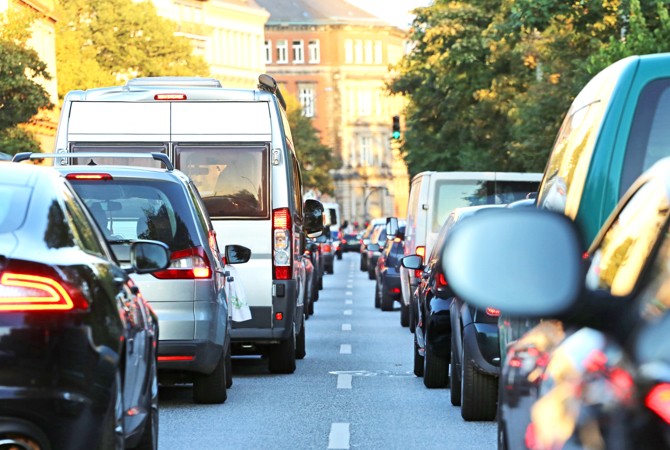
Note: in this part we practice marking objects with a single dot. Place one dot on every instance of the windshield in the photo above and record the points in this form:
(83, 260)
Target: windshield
(233, 181)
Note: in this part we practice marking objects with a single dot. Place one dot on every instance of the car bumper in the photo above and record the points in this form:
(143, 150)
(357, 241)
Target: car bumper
(390, 284)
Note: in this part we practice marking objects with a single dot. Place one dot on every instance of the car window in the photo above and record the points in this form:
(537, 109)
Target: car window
(413, 207)
(233, 181)
(121, 148)
(13, 206)
(84, 235)
(624, 249)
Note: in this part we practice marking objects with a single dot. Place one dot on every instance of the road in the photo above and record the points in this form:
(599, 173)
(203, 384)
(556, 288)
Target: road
(354, 389)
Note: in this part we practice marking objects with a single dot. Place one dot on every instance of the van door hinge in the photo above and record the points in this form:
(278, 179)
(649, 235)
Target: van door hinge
(276, 156)
(424, 207)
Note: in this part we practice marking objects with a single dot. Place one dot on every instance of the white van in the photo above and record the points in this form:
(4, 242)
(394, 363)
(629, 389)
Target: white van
(236, 147)
(433, 195)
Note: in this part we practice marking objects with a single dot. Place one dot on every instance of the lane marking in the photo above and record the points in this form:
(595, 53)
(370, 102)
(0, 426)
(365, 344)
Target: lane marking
(350, 286)
(339, 436)
(348, 312)
(348, 293)
(348, 302)
(345, 349)
(346, 327)
(344, 381)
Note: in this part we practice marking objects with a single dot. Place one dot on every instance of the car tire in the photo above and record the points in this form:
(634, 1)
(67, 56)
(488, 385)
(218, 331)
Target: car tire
(435, 369)
(330, 270)
(418, 359)
(113, 436)
(300, 349)
(404, 315)
(149, 439)
(371, 274)
(229, 368)
(479, 392)
(378, 302)
(454, 375)
(320, 284)
(502, 434)
(386, 301)
(211, 388)
(339, 255)
(282, 355)
(363, 266)
(412, 318)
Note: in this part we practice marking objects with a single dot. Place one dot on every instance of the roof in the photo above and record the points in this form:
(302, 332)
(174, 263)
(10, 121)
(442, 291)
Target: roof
(318, 12)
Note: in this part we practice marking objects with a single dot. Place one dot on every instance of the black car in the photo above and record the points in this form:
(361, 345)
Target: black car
(604, 378)
(77, 339)
(387, 276)
(351, 242)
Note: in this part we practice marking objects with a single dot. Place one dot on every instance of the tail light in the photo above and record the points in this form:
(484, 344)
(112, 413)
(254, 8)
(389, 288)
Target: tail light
(326, 248)
(189, 264)
(658, 400)
(492, 312)
(88, 176)
(281, 244)
(35, 287)
(440, 280)
(421, 251)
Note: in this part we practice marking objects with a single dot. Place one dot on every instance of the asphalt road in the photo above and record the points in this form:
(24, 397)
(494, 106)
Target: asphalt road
(354, 389)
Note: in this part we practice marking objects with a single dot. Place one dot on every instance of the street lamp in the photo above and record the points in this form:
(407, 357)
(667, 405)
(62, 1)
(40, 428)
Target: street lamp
(372, 190)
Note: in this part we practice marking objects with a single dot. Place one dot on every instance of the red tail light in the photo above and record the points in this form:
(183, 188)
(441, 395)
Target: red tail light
(326, 248)
(88, 176)
(282, 255)
(188, 264)
(35, 287)
(493, 312)
(515, 362)
(175, 358)
(421, 251)
(441, 281)
(170, 97)
(658, 400)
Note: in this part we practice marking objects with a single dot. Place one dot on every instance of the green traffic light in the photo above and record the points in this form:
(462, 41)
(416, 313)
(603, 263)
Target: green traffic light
(396, 135)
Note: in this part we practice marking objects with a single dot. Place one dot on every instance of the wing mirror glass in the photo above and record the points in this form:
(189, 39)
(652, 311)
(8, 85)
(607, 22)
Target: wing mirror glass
(414, 262)
(313, 218)
(391, 226)
(149, 256)
(237, 254)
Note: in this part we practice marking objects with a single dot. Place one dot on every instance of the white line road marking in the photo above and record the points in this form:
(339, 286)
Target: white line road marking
(350, 286)
(348, 302)
(346, 327)
(348, 293)
(339, 436)
(348, 312)
(345, 349)
(344, 381)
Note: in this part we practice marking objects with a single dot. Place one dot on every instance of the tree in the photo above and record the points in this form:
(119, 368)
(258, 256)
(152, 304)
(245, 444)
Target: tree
(21, 96)
(316, 159)
(103, 41)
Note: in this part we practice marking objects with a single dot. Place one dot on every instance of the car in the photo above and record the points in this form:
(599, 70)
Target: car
(350, 242)
(190, 296)
(327, 252)
(387, 276)
(77, 338)
(438, 335)
(236, 146)
(374, 248)
(611, 133)
(365, 240)
(311, 286)
(603, 379)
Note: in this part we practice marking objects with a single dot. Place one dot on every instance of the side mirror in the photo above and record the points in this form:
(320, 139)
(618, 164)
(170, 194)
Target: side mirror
(374, 247)
(237, 254)
(391, 226)
(313, 218)
(414, 262)
(149, 256)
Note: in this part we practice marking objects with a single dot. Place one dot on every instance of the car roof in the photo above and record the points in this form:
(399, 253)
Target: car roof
(132, 172)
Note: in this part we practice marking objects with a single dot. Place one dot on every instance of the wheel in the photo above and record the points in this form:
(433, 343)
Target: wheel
(320, 284)
(404, 315)
(363, 265)
(149, 440)
(454, 375)
(371, 274)
(502, 434)
(211, 388)
(386, 301)
(282, 355)
(229, 368)
(479, 392)
(330, 270)
(113, 437)
(418, 359)
(310, 310)
(300, 351)
(435, 369)
(378, 302)
(339, 255)
(412, 318)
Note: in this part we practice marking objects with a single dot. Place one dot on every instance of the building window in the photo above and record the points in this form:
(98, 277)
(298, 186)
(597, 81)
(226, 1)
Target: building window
(314, 51)
(307, 96)
(378, 52)
(282, 51)
(358, 51)
(364, 103)
(298, 52)
(348, 51)
(365, 143)
(268, 52)
(368, 52)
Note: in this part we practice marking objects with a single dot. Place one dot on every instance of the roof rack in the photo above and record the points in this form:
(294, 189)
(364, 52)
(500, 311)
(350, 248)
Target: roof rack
(175, 82)
(268, 84)
(162, 157)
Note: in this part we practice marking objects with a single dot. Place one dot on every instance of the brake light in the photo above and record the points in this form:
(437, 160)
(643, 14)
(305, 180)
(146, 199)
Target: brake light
(658, 400)
(188, 264)
(515, 362)
(281, 244)
(326, 248)
(492, 312)
(421, 251)
(397, 239)
(175, 358)
(89, 176)
(170, 97)
(441, 280)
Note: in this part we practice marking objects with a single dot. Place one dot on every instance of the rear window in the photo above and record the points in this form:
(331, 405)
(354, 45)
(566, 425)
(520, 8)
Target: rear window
(118, 161)
(13, 206)
(450, 194)
(233, 181)
(140, 209)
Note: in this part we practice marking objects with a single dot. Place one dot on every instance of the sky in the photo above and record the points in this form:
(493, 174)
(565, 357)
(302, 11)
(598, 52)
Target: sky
(395, 12)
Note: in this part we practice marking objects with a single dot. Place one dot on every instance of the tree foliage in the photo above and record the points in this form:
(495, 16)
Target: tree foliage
(316, 160)
(489, 80)
(100, 42)
(21, 95)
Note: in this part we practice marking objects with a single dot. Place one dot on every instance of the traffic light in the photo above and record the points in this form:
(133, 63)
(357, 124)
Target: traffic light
(396, 127)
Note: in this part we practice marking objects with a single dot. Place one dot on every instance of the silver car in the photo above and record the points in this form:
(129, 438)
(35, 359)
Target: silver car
(189, 297)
